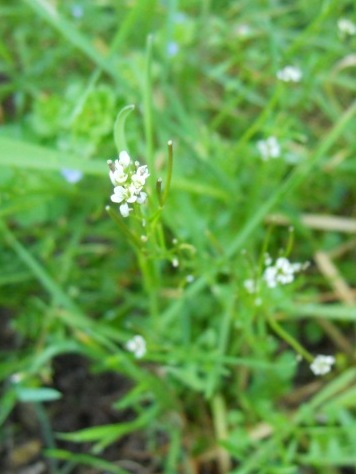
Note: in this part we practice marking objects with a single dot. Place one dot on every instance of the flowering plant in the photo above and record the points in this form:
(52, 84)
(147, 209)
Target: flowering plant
(128, 179)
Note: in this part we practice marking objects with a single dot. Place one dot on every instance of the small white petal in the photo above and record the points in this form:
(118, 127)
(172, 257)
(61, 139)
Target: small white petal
(269, 148)
(137, 345)
(322, 364)
(250, 285)
(125, 210)
(124, 159)
(119, 194)
(142, 197)
(346, 26)
(289, 74)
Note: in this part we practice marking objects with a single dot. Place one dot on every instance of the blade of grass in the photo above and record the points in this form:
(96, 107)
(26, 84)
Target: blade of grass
(335, 312)
(45, 10)
(26, 155)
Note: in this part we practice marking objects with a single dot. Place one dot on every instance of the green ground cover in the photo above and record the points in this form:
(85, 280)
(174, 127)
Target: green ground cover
(213, 299)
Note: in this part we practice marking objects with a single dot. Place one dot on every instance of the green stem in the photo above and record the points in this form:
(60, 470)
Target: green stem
(169, 171)
(137, 244)
(147, 100)
(149, 283)
(290, 340)
(159, 191)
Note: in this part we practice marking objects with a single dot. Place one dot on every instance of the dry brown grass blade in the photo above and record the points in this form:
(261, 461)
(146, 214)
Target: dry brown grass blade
(343, 292)
(334, 277)
(318, 221)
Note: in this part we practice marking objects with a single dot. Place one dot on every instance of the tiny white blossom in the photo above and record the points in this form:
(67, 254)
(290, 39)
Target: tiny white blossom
(124, 159)
(137, 345)
(139, 178)
(118, 176)
(250, 285)
(141, 198)
(282, 272)
(322, 364)
(290, 74)
(175, 262)
(269, 148)
(243, 30)
(16, 377)
(125, 210)
(346, 27)
(119, 194)
(189, 278)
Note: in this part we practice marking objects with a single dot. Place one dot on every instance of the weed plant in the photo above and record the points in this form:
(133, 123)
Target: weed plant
(225, 292)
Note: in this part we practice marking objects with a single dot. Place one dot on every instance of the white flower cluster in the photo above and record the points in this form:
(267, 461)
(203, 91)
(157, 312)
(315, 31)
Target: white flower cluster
(269, 148)
(346, 27)
(137, 345)
(281, 273)
(322, 364)
(128, 179)
(289, 74)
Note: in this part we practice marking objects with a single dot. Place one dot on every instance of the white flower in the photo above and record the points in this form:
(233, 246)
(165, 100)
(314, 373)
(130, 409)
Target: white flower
(346, 27)
(250, 285)
(139, 178)
(322, 364)
(289, 74)
(269, 148)
(141, 198)
(125, 210)
(282, 272)
(71, 176)
(118, 176)
(16, 377)
(137, 345)
(243, 30)
(124, 159)
(124, 194)
(119, 195)
(118, 173)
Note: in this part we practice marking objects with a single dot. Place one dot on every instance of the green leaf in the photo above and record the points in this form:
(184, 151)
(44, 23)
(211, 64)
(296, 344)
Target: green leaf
(107, 434)
(28, 155)
(119, 128)
(85, 460)
(37, 394)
